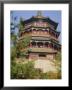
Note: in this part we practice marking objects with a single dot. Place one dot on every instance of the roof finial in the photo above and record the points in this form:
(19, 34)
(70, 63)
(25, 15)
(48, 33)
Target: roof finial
(39, 13)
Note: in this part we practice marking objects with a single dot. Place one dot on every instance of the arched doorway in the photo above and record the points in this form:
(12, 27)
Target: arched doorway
(42, 56)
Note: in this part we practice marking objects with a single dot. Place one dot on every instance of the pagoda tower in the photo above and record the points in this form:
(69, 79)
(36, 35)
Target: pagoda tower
(44, 43)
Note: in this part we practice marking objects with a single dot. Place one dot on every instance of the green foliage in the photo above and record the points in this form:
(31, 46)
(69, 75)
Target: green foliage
(52, 75)
(58, 64)
(26, 41)
(21, 25)
(14, 39)
(44, 76)
(23, 45)
(58, 56)
(59, 74)
(13, 53)
(18, 45)
(18, 49)
(13, 70)
(26, 71)
(21, 70)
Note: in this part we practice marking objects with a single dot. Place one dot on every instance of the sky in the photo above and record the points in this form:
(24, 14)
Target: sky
(55, 15)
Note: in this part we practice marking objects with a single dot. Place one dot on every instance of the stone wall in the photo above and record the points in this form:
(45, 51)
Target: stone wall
(35, 56)
(50, 56)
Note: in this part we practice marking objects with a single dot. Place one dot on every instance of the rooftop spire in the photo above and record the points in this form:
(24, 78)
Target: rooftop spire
(39, 13)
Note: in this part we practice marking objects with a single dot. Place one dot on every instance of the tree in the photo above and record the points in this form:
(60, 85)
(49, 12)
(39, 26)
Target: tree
(27, 71)
(21, 26)
(20, 44)
(58, 56)
(24, 43)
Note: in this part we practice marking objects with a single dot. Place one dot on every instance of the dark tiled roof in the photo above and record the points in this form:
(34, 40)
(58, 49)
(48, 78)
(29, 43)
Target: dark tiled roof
(32, 19)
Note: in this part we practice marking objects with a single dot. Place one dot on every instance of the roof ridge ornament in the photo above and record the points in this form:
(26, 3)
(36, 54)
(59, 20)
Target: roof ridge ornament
(39, 13)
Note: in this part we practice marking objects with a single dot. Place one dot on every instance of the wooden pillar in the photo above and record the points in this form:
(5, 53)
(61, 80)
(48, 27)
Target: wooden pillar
(30, 44)
(53, 46)
(49, 44)
(43, 44)
(36, 44)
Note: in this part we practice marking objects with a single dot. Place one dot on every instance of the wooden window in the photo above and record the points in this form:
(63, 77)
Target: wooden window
(42, 55)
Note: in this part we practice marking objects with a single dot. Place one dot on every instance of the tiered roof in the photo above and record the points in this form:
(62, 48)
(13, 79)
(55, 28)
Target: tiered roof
(44, 19)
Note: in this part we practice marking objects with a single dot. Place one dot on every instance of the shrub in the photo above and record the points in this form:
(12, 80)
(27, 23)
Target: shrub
(44, 76)
(27, 71)
(13, 53)
(52, 75)
(58, 56)
(22, 70)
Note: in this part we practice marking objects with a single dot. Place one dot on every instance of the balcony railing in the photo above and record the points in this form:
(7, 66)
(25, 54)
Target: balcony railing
(45, 35)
